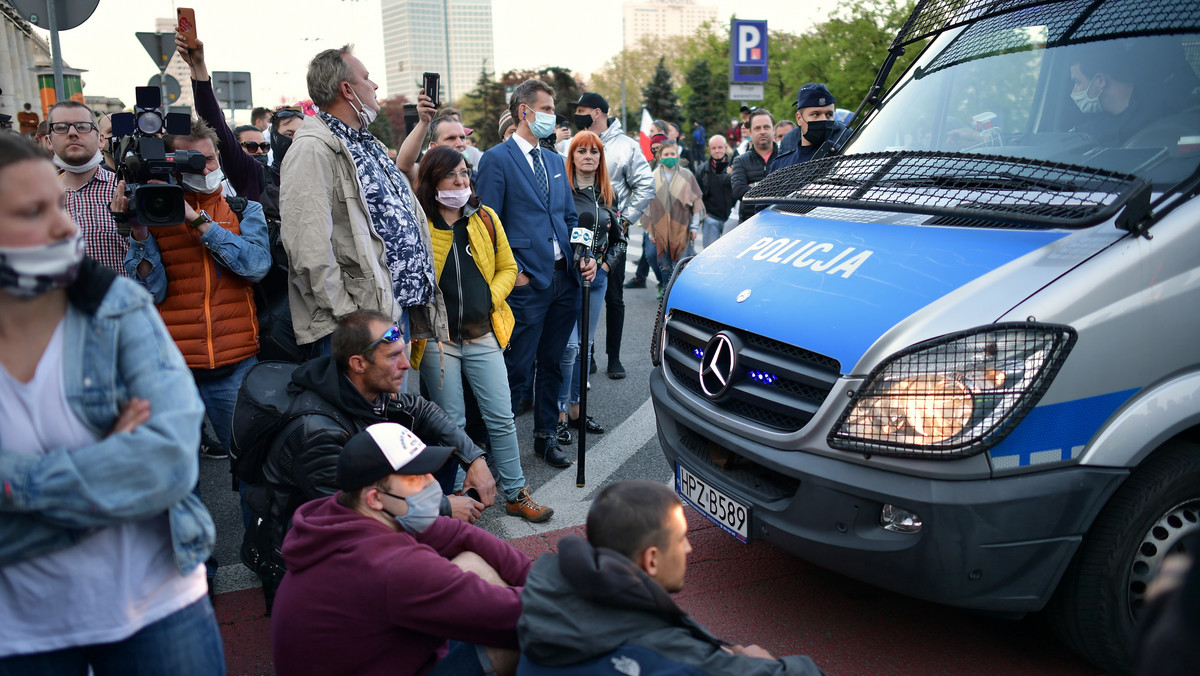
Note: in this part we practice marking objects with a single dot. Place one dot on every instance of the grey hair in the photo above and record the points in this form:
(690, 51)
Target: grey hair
(326, 72)
(526, 93)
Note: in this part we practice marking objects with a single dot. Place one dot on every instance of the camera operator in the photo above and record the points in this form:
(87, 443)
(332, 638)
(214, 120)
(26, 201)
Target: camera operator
(200, 273)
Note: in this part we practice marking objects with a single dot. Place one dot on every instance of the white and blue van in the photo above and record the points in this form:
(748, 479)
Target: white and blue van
(960, 358)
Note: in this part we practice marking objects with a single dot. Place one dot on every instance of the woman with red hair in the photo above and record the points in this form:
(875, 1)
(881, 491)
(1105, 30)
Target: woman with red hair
(593, 195)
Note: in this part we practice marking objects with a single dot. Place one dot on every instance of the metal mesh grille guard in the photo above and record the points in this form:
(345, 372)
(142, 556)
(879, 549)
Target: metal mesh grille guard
(984, 412)
(990, 188)
(1094, 20)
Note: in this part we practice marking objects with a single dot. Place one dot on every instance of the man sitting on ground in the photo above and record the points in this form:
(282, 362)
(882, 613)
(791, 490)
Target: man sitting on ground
(606, 600)
(378, 583)
(337, 397)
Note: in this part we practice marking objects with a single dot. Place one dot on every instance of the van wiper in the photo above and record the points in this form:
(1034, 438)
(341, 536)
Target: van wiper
(984, 182)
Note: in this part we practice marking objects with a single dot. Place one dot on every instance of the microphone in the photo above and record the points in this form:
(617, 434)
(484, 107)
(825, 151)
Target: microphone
(583, 234)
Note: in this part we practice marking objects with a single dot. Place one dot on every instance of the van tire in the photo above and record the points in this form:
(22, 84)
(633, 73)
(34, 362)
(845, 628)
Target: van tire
(1095, 606)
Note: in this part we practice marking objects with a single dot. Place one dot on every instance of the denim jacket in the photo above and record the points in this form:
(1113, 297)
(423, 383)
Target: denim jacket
(115, 348)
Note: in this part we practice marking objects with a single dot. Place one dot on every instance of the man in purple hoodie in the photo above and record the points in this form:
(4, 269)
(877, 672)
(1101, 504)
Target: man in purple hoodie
(378, 583)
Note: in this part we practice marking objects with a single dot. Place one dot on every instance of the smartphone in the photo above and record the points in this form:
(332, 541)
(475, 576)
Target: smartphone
(473, 494)
(430, 84)
(185, 18)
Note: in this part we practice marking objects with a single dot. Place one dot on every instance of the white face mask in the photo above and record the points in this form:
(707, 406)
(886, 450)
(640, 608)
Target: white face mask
(1087, 104)
(30, 271)
(454, 199)
(82, 168)
(365, 115)
(207, 184)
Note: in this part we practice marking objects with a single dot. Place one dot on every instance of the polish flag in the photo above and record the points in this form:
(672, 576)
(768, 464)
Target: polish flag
(644, 136)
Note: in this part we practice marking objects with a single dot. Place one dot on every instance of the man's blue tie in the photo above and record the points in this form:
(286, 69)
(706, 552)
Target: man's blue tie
(540, 171)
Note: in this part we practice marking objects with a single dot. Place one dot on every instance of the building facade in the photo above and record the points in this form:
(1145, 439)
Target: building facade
(21, 51)
(663, 19)
(450, 37)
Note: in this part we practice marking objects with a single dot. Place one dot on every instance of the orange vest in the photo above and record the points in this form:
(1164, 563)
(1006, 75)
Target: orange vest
(208, 310)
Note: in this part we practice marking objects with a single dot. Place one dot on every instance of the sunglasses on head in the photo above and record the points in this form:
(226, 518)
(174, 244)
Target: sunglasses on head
(390, 336)
(252, 146)
(285, 114)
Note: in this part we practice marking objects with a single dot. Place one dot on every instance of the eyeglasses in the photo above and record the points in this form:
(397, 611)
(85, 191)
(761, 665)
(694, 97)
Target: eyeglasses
(81, 127)
(251, 146)
(390, 336)
(465, 173)
(286, 113)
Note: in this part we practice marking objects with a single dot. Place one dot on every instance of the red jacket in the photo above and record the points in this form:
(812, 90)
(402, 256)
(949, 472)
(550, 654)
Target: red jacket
(360, 598)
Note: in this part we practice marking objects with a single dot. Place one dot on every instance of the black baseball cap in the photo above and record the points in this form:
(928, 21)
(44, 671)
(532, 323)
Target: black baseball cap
(593, 100)
(383, 449)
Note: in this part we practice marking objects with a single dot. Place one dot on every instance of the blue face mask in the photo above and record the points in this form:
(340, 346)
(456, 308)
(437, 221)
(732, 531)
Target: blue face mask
(542, 124)
(423, 508)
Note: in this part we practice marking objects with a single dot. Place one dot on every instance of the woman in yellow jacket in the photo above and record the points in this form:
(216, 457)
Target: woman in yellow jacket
(475, 270)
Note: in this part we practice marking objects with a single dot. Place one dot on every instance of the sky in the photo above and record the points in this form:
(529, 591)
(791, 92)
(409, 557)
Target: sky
(275, 40)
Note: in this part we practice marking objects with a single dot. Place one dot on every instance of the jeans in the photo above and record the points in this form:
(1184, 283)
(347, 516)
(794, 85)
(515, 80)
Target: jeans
(464, 659)
(712, 229)
(481, 359)
(572, 360)
(184, 643)
(649, 255)
(544, 318)
(220, 397)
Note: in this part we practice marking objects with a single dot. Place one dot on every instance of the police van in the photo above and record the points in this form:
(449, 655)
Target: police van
(960, 358)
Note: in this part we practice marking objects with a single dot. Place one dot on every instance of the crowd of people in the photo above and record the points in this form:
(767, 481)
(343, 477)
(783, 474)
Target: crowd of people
(309, 253)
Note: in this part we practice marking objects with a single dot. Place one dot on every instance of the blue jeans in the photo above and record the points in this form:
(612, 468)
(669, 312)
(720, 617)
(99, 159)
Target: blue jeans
(572, 360)
(544, 318)
(220, 398)
(464, 659)
(483, 362)
(712, 229)
(649, 260)
(184, 643)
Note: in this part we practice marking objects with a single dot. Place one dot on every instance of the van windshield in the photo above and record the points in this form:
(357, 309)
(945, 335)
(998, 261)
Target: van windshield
(1032, 84)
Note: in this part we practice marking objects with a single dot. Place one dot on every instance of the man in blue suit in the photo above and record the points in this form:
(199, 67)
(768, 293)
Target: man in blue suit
(527, 187)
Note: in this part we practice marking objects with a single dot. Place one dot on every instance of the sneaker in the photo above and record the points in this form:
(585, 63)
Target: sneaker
(213, 452)
(527, 509)
(615, 370)
(661, 289)
(562, 432)
(635, 283)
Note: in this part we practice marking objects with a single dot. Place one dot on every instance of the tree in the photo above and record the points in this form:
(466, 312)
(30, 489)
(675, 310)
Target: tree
(634, 67)
(391, 111)
(708, 98)
(482, 107)
(659, 95)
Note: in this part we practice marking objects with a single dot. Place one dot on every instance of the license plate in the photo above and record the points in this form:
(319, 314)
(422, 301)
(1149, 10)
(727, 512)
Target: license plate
(732, 516)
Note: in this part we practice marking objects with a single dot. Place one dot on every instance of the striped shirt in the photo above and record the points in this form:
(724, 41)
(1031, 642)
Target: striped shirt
(89, 207)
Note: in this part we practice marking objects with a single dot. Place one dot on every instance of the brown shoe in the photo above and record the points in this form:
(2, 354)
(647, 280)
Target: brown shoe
(527, 509)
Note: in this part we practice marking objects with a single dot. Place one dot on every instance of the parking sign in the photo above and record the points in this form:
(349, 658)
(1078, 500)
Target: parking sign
(748, 51)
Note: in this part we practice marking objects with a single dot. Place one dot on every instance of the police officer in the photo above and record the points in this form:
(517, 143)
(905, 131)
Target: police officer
(814, 115)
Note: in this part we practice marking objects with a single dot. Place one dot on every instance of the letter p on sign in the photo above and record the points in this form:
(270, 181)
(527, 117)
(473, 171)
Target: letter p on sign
(749, 39)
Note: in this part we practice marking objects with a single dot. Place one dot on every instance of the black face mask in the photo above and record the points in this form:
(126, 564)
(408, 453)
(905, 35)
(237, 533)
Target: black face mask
(281, 144)
(583, 121)
(819, 131)
(719, 165)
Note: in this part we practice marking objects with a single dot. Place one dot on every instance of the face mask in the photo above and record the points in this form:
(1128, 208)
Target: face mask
(542, 125)
(28, 272)
(583, 121)
(261, 159)
(365, 115)
(818, 131)
(1087, 105)
(422, 509)
(280, 144)
(670, 162)
(207, 184)
(82, 168)
(454, 199)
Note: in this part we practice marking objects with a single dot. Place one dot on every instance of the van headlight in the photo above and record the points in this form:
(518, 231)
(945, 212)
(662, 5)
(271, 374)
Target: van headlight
(953, 396)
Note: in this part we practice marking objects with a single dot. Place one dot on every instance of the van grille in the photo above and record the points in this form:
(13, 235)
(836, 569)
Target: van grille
(774, 385)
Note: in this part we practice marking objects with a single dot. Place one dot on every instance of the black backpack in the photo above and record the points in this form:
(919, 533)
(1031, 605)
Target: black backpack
(264, 407)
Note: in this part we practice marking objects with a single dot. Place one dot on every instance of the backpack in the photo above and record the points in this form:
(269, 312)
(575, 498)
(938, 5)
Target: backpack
(264, 407)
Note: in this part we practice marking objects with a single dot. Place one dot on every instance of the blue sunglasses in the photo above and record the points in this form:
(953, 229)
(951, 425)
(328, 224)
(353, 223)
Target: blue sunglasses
(390, 336)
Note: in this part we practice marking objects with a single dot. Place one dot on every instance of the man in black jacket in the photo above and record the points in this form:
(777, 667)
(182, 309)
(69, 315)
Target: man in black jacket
(751, 166)
(715, 179)
(340, 395)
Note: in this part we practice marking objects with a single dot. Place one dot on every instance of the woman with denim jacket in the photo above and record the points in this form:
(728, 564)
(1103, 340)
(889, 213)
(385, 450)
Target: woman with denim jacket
(475, 270)
(101, 538)
(594, 194)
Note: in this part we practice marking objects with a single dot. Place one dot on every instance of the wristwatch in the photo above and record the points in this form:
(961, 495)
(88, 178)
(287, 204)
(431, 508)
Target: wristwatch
(200, 220)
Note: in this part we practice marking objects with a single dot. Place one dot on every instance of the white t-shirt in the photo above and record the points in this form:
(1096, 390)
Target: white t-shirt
(109, 585)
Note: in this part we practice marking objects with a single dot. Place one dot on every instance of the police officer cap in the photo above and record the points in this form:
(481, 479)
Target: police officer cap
(593, 100)
(814, 95)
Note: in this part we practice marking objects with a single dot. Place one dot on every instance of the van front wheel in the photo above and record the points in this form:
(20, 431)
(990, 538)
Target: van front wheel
(1095, 607)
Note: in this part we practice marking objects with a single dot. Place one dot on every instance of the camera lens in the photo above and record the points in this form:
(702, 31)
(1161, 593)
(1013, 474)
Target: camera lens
(149, 122)
(159, 204)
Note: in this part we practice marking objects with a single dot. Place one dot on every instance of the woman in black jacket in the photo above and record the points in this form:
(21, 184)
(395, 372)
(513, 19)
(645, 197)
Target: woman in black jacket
(593, 195)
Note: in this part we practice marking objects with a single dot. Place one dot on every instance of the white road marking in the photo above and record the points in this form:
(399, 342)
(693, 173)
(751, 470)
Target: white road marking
(570, 502)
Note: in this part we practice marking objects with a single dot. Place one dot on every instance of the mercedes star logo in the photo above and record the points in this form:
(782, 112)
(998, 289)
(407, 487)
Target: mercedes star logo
(717, 366)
